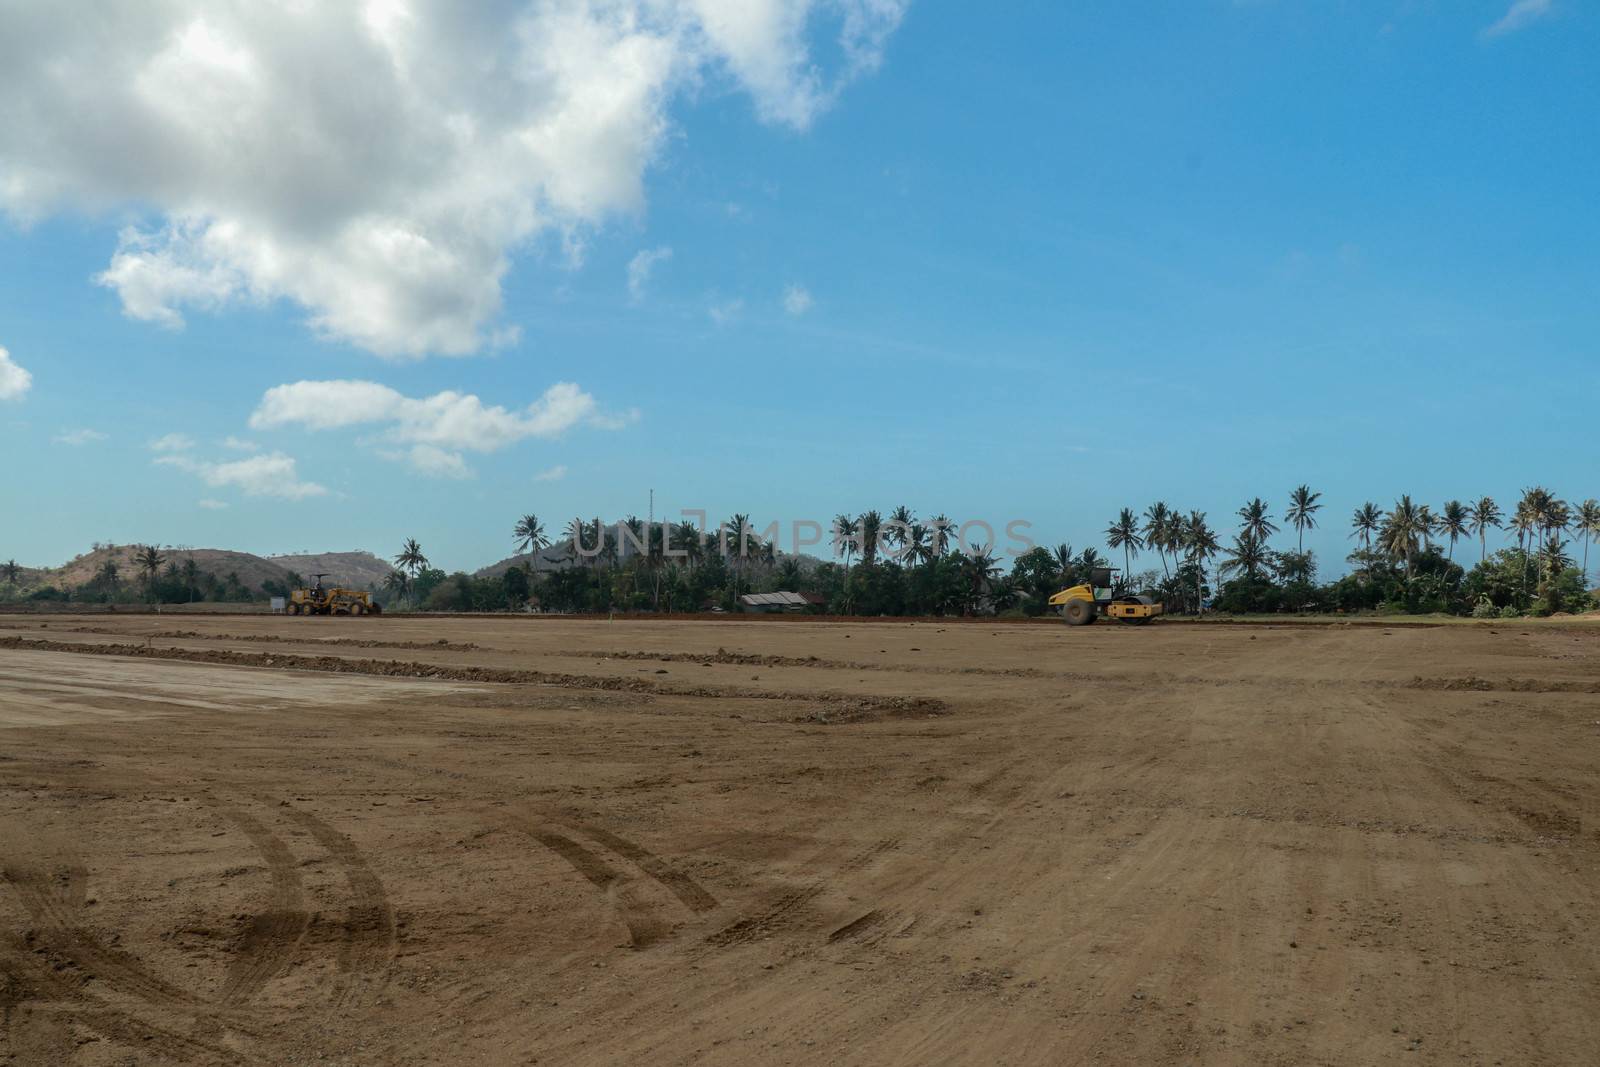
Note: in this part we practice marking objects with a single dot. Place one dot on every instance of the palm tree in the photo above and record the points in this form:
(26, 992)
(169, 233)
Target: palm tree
(1247, 554)
(191, 575)
(1365, 523)
(981, 571)
(1404, 528)
(636, 534)
(1158, 531)
(871, 528)
(919, 547)
(1485, 516)
(1553, 559)
(1303, 508)
(411, 560)
(398, 583)
(1063, 557)
(693, 546)
(1557, 516)
(1587, 524)
(11, 571)
(1525, 521)
(576, 533)
(1201, 543)
(1453, 523)
(1256, 520)
(844, 538)
(944, 532)
(149, 559)
(1124, 534)
(899, 529)
(528, 535)
(1429, 524)
(1544, 510)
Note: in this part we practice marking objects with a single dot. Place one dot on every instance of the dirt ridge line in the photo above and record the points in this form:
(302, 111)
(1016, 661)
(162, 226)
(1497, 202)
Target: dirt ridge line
(891, 705)
(341, 642)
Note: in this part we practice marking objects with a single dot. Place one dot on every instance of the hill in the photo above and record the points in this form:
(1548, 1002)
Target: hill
(551, 559)
(354, 570)
(252, 570)
(358, 570)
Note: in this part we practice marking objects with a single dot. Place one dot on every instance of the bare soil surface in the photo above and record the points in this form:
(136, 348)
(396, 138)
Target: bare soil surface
(401, 840)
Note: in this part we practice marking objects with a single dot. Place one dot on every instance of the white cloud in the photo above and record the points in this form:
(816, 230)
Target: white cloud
(272, 474)
(640, 266)
(447, 420)
(14, 380)
(379, 163)
(553, 474)
(213, 505)
(797, 300)
(239, 444)
(435, 462)
(725, 312)
(172, 442)
(1520, 15)
(78, 438)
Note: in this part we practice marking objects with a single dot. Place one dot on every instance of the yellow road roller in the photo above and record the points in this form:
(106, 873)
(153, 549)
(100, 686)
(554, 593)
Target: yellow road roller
(1083, 604)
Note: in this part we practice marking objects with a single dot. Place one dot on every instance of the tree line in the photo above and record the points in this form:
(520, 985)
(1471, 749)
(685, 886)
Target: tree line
(1403, 561)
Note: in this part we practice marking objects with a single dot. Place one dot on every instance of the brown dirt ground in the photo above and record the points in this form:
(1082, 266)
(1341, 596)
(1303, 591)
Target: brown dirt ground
(266, 840)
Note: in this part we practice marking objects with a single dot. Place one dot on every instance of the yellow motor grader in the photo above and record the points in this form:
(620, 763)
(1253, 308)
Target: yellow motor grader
(1083, 604)
(331, 601)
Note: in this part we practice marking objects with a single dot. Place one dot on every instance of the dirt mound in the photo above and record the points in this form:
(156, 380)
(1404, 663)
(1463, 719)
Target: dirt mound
(441, 645)
(1472, 683)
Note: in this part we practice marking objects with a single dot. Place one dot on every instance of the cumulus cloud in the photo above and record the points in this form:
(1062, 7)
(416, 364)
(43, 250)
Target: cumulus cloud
(640, 266)
(1520, 15)
(438, 427)
(14, 380)
(379, 163)
(797, 300)
(272, 474)
(239, 444)
(725, 311)
(552, 474)
(172, 442)
(433, 461)
(213, 505)
(78, 438)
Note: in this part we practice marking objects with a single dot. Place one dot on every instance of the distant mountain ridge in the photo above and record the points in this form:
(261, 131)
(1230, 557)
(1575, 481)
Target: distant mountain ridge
(358, 570)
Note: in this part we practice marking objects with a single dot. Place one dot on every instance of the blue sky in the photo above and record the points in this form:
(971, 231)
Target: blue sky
(1039, 263)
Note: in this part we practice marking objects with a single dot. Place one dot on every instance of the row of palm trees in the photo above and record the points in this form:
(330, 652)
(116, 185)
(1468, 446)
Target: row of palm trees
(1539, 519)
(1179, 538)
(868, 535)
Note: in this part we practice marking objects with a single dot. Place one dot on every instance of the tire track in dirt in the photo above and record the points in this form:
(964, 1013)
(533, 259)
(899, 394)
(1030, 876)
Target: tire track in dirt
(789, 905)
(540, 826)
(764, 923)
(29, 975)
(62, 935)
(371, 940)
(637, 913)
(694, 896)
(271, 938)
